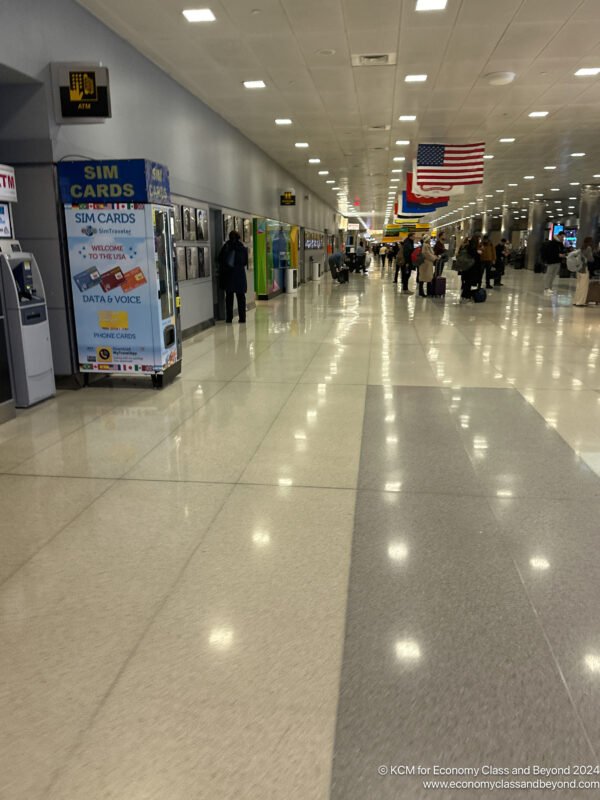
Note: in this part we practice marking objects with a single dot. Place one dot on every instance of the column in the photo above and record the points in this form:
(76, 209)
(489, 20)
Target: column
(535, 231)
(506, 226)
(486, 223)
(589, 213)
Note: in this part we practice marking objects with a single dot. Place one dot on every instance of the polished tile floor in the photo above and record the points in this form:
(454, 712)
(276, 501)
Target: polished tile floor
(360, 531)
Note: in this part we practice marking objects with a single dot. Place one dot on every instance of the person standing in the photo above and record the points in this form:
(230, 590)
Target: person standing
(440, 253)
(408, 245)
(361, 257)
(501, 253)
(233, 260)
(552, 253)
(583, 275)
(426, 268)
(472, 275)
(488, 258)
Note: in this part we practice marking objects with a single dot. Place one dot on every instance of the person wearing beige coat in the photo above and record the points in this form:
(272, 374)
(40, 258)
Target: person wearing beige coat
(427, 267)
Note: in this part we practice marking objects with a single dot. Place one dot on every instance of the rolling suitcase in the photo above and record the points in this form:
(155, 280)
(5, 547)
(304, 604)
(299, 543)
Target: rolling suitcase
(438, 286)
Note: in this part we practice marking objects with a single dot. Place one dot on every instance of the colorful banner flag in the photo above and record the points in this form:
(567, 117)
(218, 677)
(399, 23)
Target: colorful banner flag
(424, 199)
(418, 208)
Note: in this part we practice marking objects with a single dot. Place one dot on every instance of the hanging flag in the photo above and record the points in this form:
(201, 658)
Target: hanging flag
(418, 208)
(434, 193)
(414, 197)
(443, 166)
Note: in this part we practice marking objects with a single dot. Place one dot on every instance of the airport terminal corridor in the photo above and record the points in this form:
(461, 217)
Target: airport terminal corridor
(359, 531)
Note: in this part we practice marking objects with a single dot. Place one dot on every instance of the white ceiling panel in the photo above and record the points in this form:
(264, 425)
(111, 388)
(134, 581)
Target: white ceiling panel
(288, 43)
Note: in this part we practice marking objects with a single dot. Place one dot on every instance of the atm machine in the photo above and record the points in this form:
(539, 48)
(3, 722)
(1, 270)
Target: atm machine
(26, 368)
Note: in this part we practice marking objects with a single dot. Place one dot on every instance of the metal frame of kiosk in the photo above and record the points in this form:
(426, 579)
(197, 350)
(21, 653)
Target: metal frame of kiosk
(119, 222)
(26, 368)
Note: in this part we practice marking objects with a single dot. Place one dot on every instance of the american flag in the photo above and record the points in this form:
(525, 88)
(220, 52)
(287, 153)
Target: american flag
(442, 166)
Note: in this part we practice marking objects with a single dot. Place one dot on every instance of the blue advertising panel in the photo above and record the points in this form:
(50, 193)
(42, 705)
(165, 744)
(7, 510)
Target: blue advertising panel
(112, 256)
(117, 181)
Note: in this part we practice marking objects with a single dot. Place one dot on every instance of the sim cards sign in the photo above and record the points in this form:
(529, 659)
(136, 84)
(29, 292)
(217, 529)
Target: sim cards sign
(81, 93)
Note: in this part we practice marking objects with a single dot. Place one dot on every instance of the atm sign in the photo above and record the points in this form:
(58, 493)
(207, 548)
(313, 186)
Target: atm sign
(8, 187)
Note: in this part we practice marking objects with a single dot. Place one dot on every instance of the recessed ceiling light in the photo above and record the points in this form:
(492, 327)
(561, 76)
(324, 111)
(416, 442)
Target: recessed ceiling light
(499, 190)
(572, 198)
(538, 114)
(396, 170)
(199, 15)
(255, 84)
(326, 51)
(574, 183)
(528, 177)
(489, 195)
(323, 172)
(488, 156)
(549, 167)
(301, 144)
(431, 5)
(335, 188)
(513, 184)
(507, 140)
(539, 194)
(314, 160)
(329, 181)
(587, 71)
(555, 189)
(415, 78)
(577, 155)
(399, 158)
(283, 121)
(407, 117)
(596, 176)
(402, 141)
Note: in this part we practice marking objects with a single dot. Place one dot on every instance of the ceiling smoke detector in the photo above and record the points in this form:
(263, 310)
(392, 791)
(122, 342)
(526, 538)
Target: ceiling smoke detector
(500, 78)
(374, 60)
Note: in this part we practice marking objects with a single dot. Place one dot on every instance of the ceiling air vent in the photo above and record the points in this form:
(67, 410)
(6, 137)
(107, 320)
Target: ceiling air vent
(374, 60)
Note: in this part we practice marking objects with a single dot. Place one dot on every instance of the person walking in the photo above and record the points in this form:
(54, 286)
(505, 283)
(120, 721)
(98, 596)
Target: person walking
(553, 252)
(583, 275)
(426, 269)
(382, 254)
(488, 259)
(233, 260)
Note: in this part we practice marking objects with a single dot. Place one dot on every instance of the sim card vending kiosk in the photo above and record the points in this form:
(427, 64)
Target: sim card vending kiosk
(119, 223)
(26, 368)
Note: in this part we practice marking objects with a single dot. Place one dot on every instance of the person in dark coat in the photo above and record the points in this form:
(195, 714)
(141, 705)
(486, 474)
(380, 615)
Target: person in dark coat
(233, 260)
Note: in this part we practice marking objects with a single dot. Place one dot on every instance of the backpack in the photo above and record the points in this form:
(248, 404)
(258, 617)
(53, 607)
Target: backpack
(574, 261)
(463, 260)
(417, 257)
(479, 295)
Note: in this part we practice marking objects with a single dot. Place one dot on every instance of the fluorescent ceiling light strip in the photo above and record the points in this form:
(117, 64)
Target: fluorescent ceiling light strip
(199, 15)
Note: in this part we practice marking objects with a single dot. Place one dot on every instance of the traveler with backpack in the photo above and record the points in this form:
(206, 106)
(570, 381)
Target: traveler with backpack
(488, 259)
(553, 251)
(425, 267)
(233, 260)
(468, 263)
(583, 263)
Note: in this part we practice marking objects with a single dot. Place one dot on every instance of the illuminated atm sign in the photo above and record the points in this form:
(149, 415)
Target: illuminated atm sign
(128, 181)
(8, 187)
(82, 92)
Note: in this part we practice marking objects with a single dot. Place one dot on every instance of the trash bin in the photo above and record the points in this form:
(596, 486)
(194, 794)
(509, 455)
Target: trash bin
(291, 281)
(317, 272)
